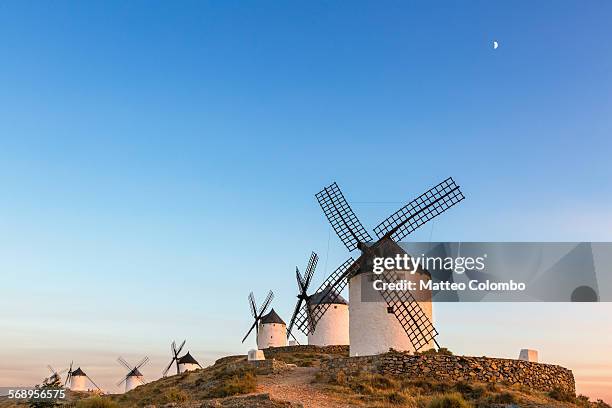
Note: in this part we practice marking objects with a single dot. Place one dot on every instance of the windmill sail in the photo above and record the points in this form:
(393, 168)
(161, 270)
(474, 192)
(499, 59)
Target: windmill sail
(435, 201)
(341, 217)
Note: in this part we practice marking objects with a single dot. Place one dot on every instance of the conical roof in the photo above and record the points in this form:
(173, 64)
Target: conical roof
(78, 372)
(187, 359)
(272, 317)
(327, 296)
(134, 373)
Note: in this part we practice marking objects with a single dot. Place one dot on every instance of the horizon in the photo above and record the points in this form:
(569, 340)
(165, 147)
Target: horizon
(159, 162)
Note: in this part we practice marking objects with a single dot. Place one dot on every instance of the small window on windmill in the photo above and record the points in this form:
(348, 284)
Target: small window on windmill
(390, 309)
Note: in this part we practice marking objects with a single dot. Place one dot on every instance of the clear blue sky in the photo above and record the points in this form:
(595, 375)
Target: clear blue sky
(159, 160)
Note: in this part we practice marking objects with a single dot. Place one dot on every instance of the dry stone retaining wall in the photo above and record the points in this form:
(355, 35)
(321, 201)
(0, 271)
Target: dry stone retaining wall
(543, 377)
(273, 351)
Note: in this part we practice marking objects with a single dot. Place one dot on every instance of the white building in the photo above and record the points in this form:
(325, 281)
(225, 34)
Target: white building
(78, 380)
(272, 331)
(133, 380)
(188, 363)
(373, 326)
(333, 326)
(528, 355)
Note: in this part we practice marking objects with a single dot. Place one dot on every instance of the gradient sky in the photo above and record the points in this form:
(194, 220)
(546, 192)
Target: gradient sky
(159, 160)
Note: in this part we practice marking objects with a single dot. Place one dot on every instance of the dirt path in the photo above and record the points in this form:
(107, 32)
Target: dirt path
(295, 386)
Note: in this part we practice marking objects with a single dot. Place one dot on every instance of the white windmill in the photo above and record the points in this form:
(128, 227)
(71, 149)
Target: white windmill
(183, 363)
(134, 377)
(381, 320)
(270, 328)
(333, 326)
(77, 380)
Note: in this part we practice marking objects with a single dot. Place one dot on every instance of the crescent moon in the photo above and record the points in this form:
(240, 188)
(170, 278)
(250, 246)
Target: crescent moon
(495, 45)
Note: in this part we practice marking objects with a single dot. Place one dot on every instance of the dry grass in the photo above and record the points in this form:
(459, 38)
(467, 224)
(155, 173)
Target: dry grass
(375, 390)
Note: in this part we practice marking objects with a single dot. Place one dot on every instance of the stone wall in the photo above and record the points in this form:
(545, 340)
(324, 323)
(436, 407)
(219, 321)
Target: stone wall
(543, 377)
(273, 351)
(261, 367)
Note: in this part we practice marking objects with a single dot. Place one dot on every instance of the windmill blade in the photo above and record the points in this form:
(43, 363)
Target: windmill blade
(300, 279)
(122, 381)
(341, 217)
(141, 379)
(252, 304)
(173, 348)
(331, 287)
(51, 369)
(165, 372)
(412, 318)
(69, 376)
(94, 384)
(420, 210)
(61, 371)
(250, 330)
(294, 316)
(142, 362)
(124, 363)
(266, 303)
(181, 347)
(312, 265)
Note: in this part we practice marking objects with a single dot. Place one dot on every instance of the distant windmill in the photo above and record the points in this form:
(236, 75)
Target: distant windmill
(134, 377)
(184, 363)
(56, 375)
(77, 380)
(271, 330)
(377, 326)
(333, 326)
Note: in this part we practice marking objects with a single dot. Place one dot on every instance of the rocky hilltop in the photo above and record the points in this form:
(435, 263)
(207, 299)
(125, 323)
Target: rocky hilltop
(315, 377)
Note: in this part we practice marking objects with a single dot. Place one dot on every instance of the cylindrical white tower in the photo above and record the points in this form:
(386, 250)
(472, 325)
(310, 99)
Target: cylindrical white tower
(333, 326)
(133, 380)
(78, 380)
(272, 331)
(187, 363)
(373, 327)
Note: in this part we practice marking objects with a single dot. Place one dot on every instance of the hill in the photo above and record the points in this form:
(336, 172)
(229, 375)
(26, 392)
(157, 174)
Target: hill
(292, 379)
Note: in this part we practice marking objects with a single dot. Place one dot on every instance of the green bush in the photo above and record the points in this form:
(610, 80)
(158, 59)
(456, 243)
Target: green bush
(449, 400)
(96, 402)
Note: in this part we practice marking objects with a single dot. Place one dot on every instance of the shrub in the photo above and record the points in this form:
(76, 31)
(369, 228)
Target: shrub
(399, 398)
(492, 387)
(340, 378)
(469, 391)
(561, 395)
(372, 383)
(96, 402)
(503, 398)
(176, 395)
(601, 404)
(449, 400)
(239, 383)
(442, 351)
